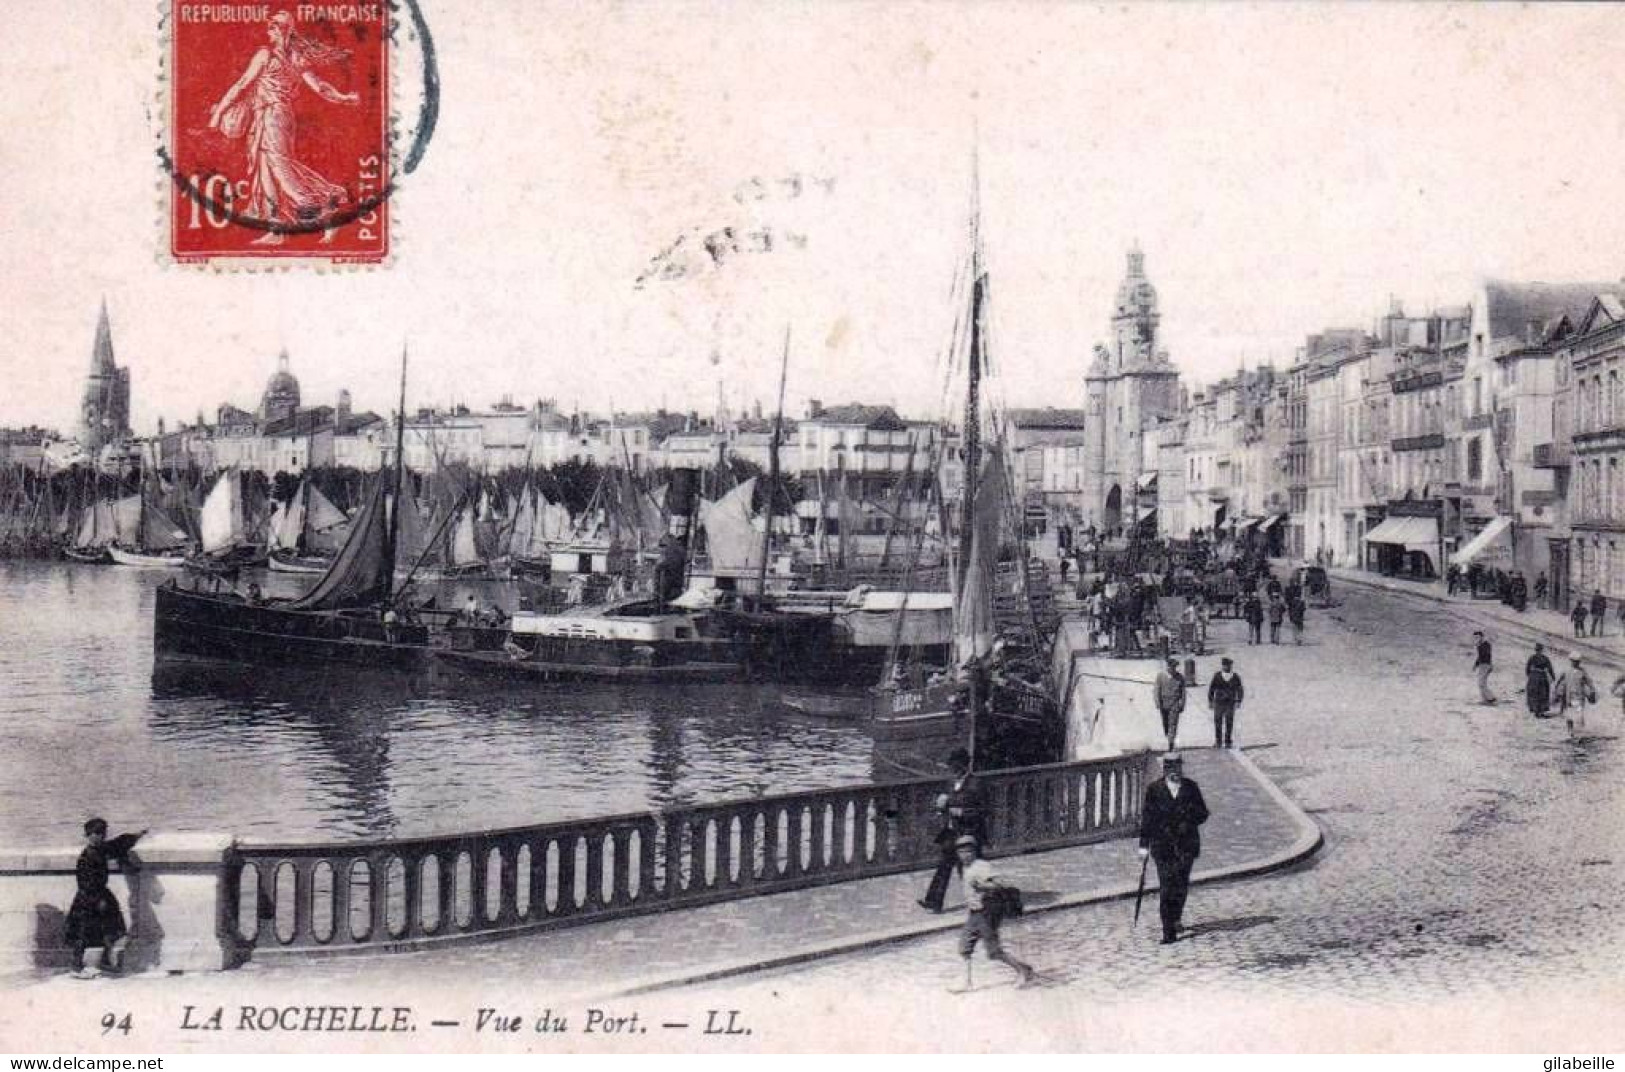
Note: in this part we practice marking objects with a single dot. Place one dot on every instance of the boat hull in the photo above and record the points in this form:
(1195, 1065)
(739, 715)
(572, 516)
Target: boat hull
(137, 560)
(89, 556)
(190, 624)
(501, 664)
(279, 562)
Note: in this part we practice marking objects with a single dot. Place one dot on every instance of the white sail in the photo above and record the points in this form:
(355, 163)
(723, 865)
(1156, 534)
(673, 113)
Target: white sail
(290, 523)
(524, 525)
(87, 528)
(326, 526)
(464, 548)
(127, 520)
(222, 515)
(556, 524)
(733, 541)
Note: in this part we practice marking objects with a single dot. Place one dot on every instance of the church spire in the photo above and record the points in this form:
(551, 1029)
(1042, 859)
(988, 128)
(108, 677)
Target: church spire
(101, 354)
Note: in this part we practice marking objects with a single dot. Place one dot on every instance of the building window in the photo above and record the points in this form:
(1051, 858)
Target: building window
(1475, 460)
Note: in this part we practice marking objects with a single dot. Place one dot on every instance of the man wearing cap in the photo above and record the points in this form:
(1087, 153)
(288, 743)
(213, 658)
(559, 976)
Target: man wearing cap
(982, 925)
(1483, 663)
(963, 810)
(1224, 695)
(1573, 693)
(1170, 833)
(1170, 696)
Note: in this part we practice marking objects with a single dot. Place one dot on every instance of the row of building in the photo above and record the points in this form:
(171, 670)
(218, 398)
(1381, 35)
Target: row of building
(1492, 432)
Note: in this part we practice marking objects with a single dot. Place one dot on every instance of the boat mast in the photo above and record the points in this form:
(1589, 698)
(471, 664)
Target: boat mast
(395, 505)
(772, 473)
(973, 438)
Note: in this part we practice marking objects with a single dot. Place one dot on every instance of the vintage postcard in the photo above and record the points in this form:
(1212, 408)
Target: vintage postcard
(535, 527)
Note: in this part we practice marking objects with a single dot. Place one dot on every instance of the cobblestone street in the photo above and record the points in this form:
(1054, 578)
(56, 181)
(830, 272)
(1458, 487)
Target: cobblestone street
(1472, 853)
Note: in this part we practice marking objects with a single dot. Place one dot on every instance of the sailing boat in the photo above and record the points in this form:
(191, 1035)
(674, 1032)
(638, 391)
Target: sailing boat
(307, 532)
(224, 524)
(346, 618)
(97, 530)
(148, 538)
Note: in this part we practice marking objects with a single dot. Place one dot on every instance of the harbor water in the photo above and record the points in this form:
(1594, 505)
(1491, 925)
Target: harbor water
(89, 725)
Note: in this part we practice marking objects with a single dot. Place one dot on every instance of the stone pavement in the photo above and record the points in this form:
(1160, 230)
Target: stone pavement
(1549, 626)
(1468, 896)
(1256, 828)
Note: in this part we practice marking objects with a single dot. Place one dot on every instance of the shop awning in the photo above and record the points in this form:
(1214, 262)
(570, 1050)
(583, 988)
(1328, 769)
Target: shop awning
(1411, 533)
(1146, 514)
(1484, 545)
(1249, 523)
(1269, 522)
(1146, 480)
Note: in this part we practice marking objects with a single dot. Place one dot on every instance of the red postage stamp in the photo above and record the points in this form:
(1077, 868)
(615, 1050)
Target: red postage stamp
(279, 132)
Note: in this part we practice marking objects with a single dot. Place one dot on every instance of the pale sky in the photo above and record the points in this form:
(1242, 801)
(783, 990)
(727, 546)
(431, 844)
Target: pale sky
(1284, 168)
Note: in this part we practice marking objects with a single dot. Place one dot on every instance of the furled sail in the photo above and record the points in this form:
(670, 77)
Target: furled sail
(290, 524)
(159, 531)
(411, 536)
(974, 625)
(359, 576)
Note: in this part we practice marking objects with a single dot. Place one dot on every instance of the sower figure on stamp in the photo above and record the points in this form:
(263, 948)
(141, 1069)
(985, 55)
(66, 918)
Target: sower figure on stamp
(260, 104)
(95, 919)
(982, 917)
(1170, 833)
(964, 812)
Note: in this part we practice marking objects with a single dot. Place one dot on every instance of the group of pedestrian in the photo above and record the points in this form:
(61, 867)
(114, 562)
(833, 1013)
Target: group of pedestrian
(1595, 614)
(1224, 696)
(1278, 606)
(1568, 694)
(1171, 817)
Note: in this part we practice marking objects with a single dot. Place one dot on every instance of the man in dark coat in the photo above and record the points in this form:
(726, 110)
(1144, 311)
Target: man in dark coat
(1254, 613)
(1599, 612)
(1170, 833)
(963, 810)
(1224, 695)
(95, 919)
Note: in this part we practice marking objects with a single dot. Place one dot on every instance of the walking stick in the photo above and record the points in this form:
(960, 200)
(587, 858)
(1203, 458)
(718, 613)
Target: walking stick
(1139, 896)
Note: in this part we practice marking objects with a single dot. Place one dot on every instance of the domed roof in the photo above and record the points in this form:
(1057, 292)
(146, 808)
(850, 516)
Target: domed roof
(282, 381)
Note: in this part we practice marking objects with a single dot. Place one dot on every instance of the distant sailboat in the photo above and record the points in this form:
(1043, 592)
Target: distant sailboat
(308, 533)
(148, 538)
(97, 531)
(224, 527)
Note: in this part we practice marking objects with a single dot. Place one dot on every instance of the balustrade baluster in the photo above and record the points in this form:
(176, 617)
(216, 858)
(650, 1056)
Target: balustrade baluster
(538, 879)
(567, 876)
(595, 869)
(412, 890)
(508, 902)
(265, 906)
(725, 849)
(378, 898)
(304, 891)
(343, 875)
(446, 876)
(647, 831)
(673, 886)
(478, 868)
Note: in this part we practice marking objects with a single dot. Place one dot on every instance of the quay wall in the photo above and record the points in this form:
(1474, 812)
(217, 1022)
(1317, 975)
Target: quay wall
(207, 903)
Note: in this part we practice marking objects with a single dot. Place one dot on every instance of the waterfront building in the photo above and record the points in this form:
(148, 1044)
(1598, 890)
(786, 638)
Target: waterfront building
(1295, 456)
(1130, 385)
(1047, 457)
(104, 409)
(1587, 451)
(1509, 386)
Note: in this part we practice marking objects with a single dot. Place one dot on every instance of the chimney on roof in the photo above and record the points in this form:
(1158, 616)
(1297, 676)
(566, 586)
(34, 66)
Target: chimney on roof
(341, 412)
(815, 409)
(756, 411)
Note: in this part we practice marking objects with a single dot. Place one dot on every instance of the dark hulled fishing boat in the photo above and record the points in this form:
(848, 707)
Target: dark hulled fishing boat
(345, 619)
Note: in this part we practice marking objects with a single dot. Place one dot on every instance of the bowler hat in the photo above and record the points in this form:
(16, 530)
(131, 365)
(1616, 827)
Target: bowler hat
(965, 841)
(1173, 759)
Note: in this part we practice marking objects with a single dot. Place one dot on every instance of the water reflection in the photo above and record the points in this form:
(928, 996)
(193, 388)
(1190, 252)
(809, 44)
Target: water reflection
(89, 723)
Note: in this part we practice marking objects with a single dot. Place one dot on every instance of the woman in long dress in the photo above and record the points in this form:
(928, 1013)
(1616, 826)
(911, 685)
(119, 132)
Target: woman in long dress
(281, 189)
(1538, 678)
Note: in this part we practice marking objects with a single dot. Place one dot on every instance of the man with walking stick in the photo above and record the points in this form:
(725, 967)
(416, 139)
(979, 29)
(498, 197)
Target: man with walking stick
(1170, 835)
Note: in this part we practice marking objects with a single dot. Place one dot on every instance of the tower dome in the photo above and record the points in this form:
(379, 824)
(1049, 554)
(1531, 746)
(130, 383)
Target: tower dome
(281, 397)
